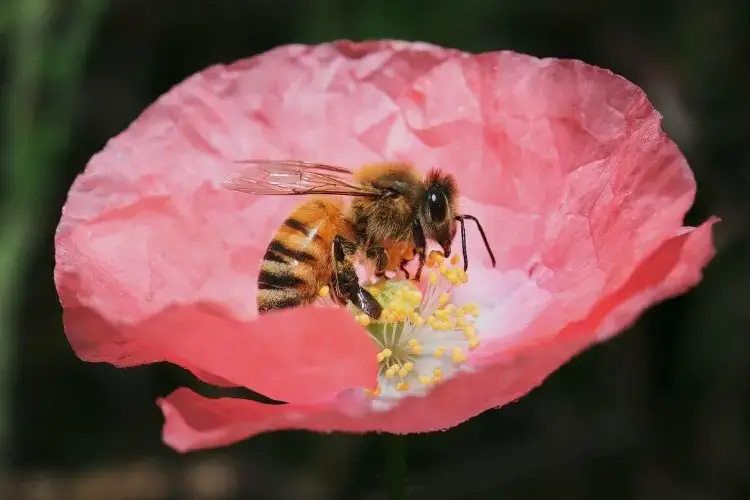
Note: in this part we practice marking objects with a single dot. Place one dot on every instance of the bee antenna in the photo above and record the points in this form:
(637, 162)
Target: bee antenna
(460, 219)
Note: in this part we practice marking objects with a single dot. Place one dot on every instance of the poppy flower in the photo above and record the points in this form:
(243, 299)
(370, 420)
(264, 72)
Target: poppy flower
(580, 192)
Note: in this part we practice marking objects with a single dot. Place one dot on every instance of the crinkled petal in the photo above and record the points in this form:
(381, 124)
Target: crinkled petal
(167, 278)
(194, 422)
(564, 163)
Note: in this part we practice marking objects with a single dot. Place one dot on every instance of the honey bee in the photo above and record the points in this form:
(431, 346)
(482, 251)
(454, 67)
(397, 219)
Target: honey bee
(383, 212)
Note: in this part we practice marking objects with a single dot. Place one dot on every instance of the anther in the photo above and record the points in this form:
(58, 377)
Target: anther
(437, 256)
(385, 353)
(402, 387)
(324, 291)
(373, 393)
(363, 319)
(457, 355)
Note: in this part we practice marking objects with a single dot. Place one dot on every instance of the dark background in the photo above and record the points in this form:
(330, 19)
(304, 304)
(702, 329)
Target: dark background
(661, 412)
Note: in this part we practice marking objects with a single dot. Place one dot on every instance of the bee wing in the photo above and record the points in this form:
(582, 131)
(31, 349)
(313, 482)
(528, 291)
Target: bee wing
(290, 177)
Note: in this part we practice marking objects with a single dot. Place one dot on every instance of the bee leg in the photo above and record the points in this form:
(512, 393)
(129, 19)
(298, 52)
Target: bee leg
(403, 267)
(378, 255)
(346, 281)
(420, 245)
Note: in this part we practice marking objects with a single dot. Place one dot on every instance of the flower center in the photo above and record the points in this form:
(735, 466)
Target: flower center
(423, 338)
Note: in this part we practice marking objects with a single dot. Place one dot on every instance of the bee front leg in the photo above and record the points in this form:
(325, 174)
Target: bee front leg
(402, 266)
(420, 244)
(379, 256)
(346, 281)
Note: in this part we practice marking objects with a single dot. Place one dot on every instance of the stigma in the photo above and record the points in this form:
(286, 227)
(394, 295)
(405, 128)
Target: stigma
(423, 338)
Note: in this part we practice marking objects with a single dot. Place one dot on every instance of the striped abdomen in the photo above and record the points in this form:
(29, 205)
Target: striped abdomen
(298, 261)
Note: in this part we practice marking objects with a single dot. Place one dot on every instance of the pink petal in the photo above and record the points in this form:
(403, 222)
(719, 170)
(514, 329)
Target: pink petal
(194, 422)
(154, 281)
(564, 163)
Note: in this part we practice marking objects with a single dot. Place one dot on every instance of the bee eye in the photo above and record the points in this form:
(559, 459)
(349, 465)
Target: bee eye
(437, 205)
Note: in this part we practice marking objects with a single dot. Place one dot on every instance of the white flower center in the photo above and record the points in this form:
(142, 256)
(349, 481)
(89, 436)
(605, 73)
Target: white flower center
(422, 338)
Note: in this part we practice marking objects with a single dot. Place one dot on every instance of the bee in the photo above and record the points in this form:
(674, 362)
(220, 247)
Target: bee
(384, 212)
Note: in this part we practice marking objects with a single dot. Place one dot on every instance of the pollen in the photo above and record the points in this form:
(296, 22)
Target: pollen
(373, 392)
(457, 355)
(436, 257)
(384, 354)
(423, 336)
(324, 291)
(363, 319)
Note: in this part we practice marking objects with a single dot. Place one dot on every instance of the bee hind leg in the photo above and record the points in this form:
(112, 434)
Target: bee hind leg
(346, 281)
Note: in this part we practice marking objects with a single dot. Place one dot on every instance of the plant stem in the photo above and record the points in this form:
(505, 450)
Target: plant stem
(395, 466)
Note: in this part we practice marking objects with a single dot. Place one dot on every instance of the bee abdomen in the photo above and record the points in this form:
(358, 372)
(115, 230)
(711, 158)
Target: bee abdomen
(300, 227)
(285, 279)
(298, 262)
(279, 252)
(268, 281)
(272, 299)
(278, 286)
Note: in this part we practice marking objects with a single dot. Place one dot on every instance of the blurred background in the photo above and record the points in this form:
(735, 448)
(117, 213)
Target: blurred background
(662, 412)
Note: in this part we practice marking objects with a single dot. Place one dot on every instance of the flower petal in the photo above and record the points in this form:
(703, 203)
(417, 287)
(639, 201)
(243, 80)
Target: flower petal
(194, 422)
(137, 286)
(564, 163)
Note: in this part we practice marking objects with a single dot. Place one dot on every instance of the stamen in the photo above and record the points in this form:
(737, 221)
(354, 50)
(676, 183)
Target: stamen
(423, 337)
(324, 291)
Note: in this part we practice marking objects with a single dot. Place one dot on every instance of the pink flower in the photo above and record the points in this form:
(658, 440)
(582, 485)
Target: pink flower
(581, 194)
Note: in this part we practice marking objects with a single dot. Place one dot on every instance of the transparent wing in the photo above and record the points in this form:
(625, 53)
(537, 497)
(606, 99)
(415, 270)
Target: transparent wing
(290, 177)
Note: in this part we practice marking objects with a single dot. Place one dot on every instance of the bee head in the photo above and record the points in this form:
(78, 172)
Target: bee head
(437, 212)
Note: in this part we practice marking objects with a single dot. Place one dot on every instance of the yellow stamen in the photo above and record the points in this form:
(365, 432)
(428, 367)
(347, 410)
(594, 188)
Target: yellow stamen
(362, 319)
(437, 256)
(457, 355)
(384, 354)
(324, 291)
(373, 393)
(407, 336)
